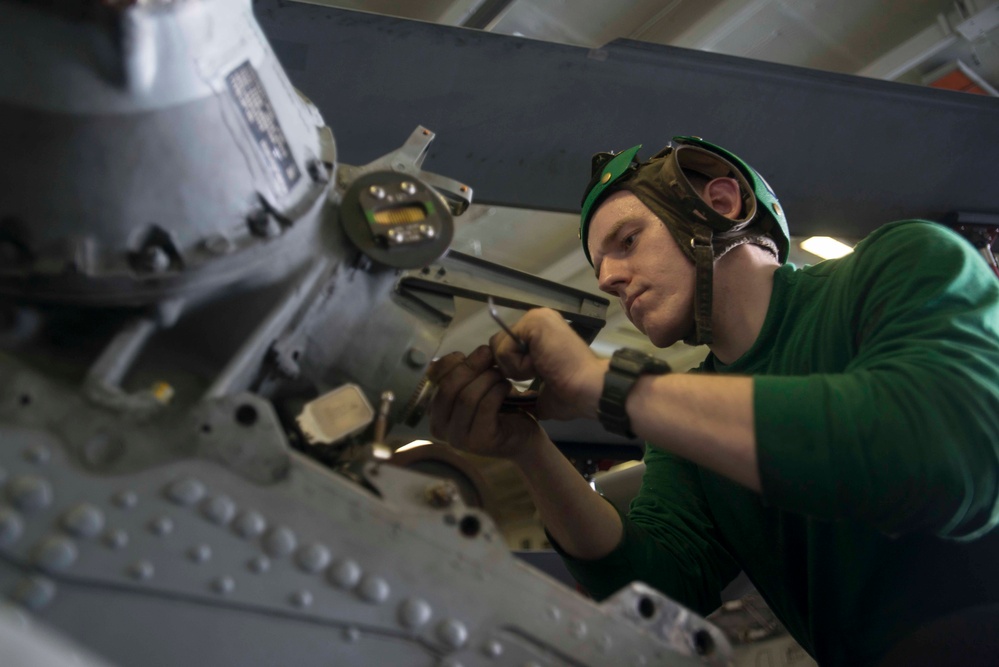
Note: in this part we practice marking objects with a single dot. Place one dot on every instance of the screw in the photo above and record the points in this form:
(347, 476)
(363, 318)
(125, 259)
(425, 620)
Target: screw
(442, 494)
(377, 192)
(408, 187)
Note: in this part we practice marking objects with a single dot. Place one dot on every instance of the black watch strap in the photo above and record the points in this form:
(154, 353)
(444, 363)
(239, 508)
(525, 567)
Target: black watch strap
(626, 366)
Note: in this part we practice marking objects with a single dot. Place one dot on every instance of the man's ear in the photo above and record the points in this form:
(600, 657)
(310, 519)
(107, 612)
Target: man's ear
(723, 195)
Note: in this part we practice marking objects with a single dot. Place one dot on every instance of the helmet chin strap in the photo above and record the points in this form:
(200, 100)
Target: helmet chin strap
(704, 258)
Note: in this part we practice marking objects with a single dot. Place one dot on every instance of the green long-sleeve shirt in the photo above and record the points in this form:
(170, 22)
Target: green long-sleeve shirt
(876, 399)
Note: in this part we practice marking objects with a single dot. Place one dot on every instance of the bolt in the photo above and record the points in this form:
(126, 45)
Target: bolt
(317, 171)
(154, 259)
(263, 224)
(442, 494)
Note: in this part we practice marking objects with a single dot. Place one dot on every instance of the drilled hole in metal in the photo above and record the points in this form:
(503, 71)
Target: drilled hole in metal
(646, 607)
(470, 525)
(246, 415)
(703, 643)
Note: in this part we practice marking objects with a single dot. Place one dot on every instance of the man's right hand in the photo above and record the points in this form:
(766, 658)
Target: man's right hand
(465, 411)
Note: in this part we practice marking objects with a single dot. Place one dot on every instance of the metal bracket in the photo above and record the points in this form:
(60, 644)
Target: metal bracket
(408, 159)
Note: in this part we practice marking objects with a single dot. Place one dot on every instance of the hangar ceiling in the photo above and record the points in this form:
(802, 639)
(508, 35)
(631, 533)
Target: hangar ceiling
(909, 42)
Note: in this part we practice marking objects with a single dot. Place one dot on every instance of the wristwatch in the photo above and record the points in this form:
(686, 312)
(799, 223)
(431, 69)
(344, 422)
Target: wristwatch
(626, 366)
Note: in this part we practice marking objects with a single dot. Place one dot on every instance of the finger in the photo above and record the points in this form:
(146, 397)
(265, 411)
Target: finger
(443, 366)
(491, 406)
(469, 404)
(460, 371)
(513, 362)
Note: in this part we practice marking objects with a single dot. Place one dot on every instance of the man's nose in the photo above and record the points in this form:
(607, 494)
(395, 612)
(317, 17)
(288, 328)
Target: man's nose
(613, 276)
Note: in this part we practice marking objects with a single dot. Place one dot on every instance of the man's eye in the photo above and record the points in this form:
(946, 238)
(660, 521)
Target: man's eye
(628, 240)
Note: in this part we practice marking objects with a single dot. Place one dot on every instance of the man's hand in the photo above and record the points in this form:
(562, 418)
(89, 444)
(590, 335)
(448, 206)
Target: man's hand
(573, 376)
(466, 408)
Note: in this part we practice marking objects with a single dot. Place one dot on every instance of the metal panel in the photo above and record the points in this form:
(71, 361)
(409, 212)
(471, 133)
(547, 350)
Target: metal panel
(519, 119)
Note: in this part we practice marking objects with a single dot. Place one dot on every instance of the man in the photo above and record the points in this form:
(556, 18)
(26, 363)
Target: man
(840, 444)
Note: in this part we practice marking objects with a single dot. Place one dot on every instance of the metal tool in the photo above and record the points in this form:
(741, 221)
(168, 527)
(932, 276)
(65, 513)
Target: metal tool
(521, 344)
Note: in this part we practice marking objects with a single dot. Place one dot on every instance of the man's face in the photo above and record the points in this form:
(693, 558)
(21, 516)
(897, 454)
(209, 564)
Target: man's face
(638, 261)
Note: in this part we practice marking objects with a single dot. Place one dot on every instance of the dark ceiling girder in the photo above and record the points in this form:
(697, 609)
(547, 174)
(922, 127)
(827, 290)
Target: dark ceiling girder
(518, 119)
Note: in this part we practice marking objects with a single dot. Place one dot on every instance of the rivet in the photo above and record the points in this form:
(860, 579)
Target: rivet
(344, 573)
(141, 570)
(249, 524)
(492, 649)
(605, 643)
(429, 232)
(55, 553)
(606, 177)
(377, 191)
(302, 599)
(38, 454)
(577, 629)
(351, 634)
(185, 492)
(161, 525)
(11, 526)
(116, 539)
(373, 589)
(218, 244)
(125, 500)
(34, 592)
(555, 613)
(201, 553)
(777, 208)
(280, 541)
(408, 187)
(313, 558)
(218, 509)
(224, 585)
(414, 612)
(259, 564)
(416, 357)
(102, 449)
(452, 632)
(84, 520)
(29, 493)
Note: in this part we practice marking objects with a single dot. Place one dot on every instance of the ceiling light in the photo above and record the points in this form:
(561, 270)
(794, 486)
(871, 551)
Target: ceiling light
(414, 445)
(825, 247)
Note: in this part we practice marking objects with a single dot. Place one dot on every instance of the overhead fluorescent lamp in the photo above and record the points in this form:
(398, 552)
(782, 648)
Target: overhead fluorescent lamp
(825, 247)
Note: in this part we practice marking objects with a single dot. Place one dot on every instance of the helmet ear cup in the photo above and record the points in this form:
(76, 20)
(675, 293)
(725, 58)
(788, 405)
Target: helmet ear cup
(771, 219)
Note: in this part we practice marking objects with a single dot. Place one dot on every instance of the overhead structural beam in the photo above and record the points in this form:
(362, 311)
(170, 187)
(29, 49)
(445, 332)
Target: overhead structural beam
(918, 49)
(518, 119)
(487, 14)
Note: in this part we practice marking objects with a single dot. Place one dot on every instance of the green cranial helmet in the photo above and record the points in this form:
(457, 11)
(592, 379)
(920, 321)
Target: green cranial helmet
(663, 184)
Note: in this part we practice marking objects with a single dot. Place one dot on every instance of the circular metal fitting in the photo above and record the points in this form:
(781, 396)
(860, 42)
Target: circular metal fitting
(249, 524)
(280, 541)
(84, 520)
(344, 573)
(186, 491)
(414, 612)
